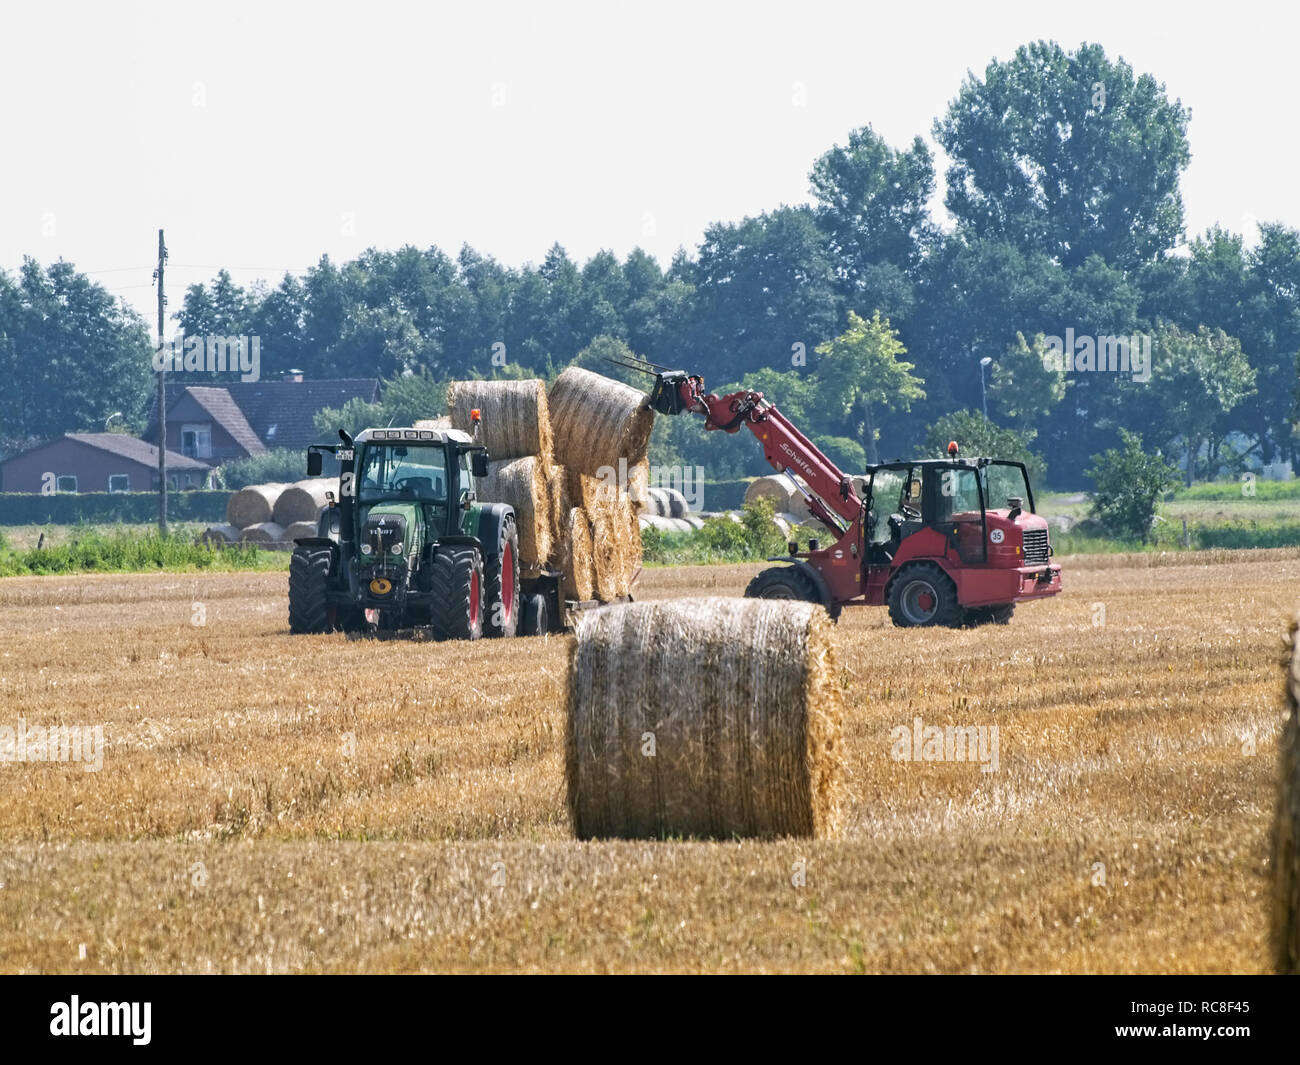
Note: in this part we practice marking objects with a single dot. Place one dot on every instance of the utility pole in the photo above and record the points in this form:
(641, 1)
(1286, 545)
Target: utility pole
(162, 404)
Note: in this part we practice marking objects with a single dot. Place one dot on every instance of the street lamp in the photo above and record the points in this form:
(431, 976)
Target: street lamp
(115, 414)
(984, 396)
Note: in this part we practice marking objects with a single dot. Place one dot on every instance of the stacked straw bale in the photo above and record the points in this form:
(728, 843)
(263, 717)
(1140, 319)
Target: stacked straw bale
(516, 422)
(522, 483)
(253, 505)
(737, 698)
(302, 501)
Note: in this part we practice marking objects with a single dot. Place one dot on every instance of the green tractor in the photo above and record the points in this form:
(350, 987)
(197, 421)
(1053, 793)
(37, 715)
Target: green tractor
(406, 544)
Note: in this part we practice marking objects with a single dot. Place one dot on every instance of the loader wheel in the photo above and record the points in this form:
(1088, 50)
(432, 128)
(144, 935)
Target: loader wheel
(309, 574)
(922, 594)
(784, 582)
(990, 615)
(501, 577)
(456, 578)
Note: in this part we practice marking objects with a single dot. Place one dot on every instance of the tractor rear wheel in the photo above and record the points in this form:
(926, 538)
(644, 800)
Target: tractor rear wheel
(922, 594)
(501, 577)
(309, 575)
(456, 610)
(783, 582)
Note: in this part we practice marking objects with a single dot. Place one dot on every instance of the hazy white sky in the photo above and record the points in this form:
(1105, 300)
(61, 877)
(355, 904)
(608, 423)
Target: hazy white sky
(264, 135)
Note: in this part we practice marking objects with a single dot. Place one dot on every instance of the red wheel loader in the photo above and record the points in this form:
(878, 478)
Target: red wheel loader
(950, 541)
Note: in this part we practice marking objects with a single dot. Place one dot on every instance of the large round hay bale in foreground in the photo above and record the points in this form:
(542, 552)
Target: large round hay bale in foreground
(219, 535)
(1286, 828)
(522, 484)
(707, 718)
(264, 532)
(253, 505)
(516, 421)
(597, 420)
(303, 501)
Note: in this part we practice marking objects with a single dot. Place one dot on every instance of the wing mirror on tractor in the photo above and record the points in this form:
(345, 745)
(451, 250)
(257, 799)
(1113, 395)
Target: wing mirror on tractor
(478, 462)
(313, 463)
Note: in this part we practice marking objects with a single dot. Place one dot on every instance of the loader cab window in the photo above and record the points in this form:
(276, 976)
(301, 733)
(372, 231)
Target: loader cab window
(403, 472)
(1004, 482)
(958, 509)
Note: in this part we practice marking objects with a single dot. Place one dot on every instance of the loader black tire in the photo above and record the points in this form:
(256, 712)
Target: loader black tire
(501, 599)
(309, 574)
(456, 609)
(990, 615)
(921, 594)
(783, 582)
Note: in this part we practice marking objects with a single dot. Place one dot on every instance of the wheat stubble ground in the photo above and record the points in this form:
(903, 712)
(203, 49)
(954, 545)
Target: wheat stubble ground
(271, 803)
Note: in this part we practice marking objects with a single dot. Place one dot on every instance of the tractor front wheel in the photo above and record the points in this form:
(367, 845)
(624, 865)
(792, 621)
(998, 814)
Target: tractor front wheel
(456, 610)
(309, 575)
(922, 594)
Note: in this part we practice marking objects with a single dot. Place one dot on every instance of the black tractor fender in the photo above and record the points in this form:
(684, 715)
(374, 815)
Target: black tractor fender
(819, 582)
(321, 541)
(490, 519)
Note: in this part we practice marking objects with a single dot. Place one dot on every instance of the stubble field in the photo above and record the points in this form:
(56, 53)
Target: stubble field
(270, 803)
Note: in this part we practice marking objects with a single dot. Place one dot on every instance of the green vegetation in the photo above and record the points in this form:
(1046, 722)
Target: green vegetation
(124, 550)
(1130, 484)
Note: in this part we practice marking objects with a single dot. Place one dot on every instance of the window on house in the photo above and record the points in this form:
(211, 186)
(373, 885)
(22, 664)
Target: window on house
(66, 482)
(119, 482)
(196, 440)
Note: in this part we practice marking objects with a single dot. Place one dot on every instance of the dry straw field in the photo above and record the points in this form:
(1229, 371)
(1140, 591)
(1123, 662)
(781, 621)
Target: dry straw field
(278, 804)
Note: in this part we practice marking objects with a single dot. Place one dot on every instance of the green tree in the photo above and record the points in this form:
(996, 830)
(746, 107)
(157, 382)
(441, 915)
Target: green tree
(1024, 387)
(1129, 486)
(977, 437)
(861, 373)
(1070, 153)
(1197, 378)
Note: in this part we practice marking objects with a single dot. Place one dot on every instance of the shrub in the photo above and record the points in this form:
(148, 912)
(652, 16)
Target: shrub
(1129, 484)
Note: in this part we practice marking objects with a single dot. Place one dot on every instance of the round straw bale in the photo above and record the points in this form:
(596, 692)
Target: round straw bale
(597, 421)
(264, 532)
(708, 718)
(219, 535)
(441, 422)
(299, 530)
(303, 500)
(1286, 827)
(579, 577)
(253, 505)
(658, 503)
(777, 489)
(638, 487)
(522, 484)
(557, 491)
(677, 505)
(516, 421)
(606, 554)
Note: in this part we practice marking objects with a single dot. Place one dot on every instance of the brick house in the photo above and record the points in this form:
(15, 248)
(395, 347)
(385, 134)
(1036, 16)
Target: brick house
(97, 462)
(218, 423)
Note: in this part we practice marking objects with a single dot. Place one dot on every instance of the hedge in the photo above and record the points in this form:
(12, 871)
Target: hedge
(129, 508)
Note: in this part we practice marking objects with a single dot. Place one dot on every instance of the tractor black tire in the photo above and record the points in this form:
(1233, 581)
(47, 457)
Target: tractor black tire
(456, 608)
(309, 575)
(536, 619)
(990, 615)
(784, 582)
(915, 585)
(501, 582)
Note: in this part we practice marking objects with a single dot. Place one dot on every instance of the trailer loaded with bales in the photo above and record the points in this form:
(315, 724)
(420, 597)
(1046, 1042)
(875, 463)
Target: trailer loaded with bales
(483, 523)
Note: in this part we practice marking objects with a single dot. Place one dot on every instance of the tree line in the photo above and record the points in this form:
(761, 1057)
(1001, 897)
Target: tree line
(858, 312)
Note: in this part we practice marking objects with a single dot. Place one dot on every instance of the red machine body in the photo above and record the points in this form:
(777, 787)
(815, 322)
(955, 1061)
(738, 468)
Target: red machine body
(945, 557)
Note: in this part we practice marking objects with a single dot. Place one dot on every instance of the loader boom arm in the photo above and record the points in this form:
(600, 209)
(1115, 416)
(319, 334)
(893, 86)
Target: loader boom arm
(832, 501)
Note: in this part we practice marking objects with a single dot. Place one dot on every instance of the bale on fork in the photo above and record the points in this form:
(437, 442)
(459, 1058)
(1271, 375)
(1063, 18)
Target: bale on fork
(597, 420)
(706, 718)
(1286, 828)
